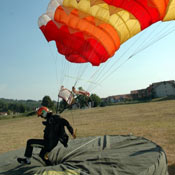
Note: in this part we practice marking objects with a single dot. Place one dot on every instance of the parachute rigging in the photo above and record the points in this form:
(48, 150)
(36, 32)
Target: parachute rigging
(81, 32)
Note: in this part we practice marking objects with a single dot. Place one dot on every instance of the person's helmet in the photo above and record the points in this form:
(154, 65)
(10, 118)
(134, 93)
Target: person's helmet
(42, 111)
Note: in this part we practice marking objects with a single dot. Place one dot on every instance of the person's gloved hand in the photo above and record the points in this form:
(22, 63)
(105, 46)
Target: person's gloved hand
(74, 134)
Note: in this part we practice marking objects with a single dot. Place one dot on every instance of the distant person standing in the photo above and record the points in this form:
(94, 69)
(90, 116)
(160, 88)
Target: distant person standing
(53, 133)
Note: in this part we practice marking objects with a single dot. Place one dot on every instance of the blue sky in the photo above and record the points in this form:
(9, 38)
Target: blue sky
(31, 68)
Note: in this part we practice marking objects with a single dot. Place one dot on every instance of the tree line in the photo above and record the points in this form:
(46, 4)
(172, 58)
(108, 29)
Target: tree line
(79, 102)
(22, 106)
(11, 106)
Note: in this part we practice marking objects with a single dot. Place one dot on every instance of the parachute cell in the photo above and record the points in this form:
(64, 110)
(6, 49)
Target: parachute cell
(93, 30)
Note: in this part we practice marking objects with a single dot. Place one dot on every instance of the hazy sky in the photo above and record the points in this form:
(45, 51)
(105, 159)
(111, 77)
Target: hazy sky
(31, 68)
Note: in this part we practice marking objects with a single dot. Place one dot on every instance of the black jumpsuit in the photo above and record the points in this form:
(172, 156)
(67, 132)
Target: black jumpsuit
(53, 133)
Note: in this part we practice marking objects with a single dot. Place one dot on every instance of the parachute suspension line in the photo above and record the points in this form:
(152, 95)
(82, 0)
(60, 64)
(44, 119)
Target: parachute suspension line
(107, 73)
(102, 73)
(79, 70)
(84, 68)
(73, 123)
(65, 68)
(90, 78)
(80, 147)
(99, 71)
(142, 49)
(153, 41)
(104, 69)
(58, 105)
(113, 67)
(62, 65)
(99, 74)
(136, 52)
(55, 62)
(55, 58)
(102, 80)
(134, 55)
(95, 75)
(75, 83)
(147, 36)
(117, 68)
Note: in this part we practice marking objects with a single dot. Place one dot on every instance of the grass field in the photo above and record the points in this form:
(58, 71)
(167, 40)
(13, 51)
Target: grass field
(154, 121)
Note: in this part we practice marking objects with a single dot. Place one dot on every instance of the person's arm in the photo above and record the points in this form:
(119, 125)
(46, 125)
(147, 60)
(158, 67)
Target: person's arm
(84, 93)
(80, 92)
(69, 127)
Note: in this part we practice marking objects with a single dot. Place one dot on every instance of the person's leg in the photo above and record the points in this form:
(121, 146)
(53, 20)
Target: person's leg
(31, 143)
(29, 149)
(44, 156)
(64, 139)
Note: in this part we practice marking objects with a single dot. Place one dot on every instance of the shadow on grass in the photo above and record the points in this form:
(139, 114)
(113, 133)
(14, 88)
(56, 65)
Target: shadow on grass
(171, 169)
(19, 170)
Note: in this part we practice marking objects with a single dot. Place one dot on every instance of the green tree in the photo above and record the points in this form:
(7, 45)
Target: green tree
(47, 102)
(80, 88)
(95, 99)
(63, 105)
(82, 100)
(3, 107)
(103, 104)
(9, 112)
(22, 108)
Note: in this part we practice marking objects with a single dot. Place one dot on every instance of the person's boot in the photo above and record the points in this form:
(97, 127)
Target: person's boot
(45, 159)
(47, 162)
(24, 161)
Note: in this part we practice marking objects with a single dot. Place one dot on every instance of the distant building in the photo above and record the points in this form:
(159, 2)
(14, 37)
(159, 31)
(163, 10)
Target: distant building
(139, 94)
(118, 98)
(155, 90)
(163, 89)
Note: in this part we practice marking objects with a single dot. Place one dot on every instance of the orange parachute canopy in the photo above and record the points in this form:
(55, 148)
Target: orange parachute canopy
(93, 30)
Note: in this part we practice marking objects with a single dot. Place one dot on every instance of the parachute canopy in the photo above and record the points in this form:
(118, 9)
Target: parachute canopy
(93, 30)
(98, 155)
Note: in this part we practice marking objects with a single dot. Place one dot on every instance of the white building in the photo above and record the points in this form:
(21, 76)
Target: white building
(163, 89)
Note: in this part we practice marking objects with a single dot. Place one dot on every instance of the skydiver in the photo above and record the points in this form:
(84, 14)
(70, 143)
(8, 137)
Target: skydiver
(66, 94)
(53, 133)
(68, 97)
